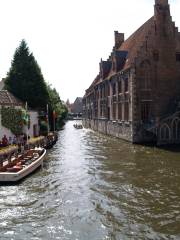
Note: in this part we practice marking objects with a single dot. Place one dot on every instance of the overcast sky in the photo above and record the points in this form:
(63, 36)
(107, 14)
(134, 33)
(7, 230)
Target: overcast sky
(69, 37)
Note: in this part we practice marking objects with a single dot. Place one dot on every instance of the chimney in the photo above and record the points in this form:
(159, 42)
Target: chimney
(162, 11)
(119, 39)
(161, 8)
(161, 2)
(163, 19)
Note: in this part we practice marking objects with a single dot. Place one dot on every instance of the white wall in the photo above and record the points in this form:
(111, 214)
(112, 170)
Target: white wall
(33, 121)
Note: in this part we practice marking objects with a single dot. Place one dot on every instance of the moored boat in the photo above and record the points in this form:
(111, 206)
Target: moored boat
(22, 166)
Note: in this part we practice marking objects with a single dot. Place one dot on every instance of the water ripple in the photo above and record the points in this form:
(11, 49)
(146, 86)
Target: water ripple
(95, 187)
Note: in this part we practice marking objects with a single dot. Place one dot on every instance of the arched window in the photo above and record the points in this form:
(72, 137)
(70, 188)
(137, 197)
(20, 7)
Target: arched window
(165, 132)
(176, 128)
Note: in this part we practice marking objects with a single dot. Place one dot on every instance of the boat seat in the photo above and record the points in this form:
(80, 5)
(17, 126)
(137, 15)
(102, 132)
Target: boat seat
(27, 158)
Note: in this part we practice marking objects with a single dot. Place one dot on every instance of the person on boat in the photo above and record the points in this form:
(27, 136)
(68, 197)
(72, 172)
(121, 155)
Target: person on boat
(4, 141)
(14, 140)
(10, 140)
(22, 147)
(19, 147)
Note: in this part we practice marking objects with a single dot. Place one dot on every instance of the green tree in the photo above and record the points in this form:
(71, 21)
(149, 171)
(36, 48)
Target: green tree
(25, 79)
(55, 104)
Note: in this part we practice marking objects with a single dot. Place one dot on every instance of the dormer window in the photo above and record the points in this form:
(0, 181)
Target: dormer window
(178, 57)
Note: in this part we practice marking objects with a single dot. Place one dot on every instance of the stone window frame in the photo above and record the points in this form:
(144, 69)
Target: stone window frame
(114, 110)
(126, 84)
(120, 112)
(176, 128)
(114, 88)
(165, 132)
(146, 108)
(145, 83)
(120, 90)
(126, 111)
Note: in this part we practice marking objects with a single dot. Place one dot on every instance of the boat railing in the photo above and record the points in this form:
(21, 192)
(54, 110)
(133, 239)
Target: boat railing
(26, 156)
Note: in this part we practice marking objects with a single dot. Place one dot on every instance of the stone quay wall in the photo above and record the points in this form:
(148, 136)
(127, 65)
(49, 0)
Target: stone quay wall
(117, 129)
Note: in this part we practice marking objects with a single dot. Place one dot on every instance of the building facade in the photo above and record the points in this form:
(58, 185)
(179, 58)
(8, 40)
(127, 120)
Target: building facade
(136, 95)
(9, 100)
(77, 106)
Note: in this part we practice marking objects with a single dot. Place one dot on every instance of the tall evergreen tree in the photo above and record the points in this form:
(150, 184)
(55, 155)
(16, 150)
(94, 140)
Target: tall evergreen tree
(25, 79)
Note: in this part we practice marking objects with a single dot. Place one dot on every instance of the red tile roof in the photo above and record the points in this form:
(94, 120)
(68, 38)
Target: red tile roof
(6, 98)
(135, 41)
(132, 46)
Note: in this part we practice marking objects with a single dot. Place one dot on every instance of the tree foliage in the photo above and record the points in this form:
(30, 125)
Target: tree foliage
(14, 119)
(57, 106)
(26, 82)
(25, 79)
(43, 128)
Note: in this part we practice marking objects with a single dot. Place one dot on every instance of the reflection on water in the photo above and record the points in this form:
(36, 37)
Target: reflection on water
(95, 187)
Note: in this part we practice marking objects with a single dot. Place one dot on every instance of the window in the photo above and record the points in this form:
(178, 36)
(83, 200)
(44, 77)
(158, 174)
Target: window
(120, 111)
(126, 111)
(145, 111)
(176, 129)
(178, 57)
(108, 89)
(114, 89)
(114, 111)
(101, 92)
(101, 111)
(119, 87)
(126, 85)
(145, 76)
(97, 94)
(114, 65)
(147, 80)
(165, 132)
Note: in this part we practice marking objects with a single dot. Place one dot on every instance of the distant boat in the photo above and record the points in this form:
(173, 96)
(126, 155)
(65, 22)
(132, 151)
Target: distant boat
(78, 126)
(21, 167)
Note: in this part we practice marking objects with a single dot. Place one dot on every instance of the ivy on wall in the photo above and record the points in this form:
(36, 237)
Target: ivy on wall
(14, 119)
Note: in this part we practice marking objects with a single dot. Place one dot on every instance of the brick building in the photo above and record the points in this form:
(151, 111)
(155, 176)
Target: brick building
(77, 106)
(136, 95)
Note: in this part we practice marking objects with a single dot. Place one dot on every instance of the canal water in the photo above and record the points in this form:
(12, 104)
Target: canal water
(94, 187)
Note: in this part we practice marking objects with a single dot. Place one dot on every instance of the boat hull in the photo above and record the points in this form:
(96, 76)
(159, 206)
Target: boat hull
(17, 176)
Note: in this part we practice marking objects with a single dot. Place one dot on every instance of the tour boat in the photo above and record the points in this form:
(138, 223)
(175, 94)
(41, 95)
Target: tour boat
(22, 166)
